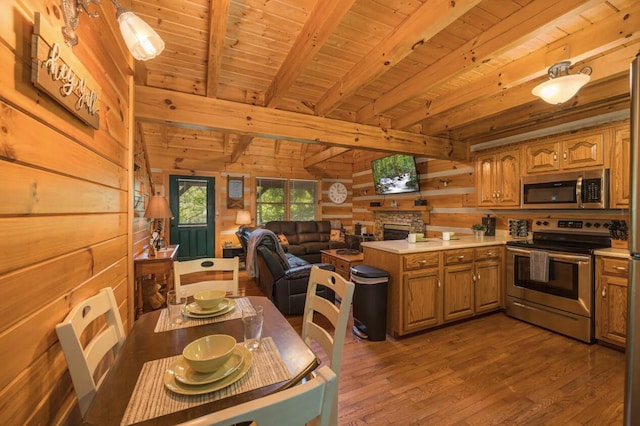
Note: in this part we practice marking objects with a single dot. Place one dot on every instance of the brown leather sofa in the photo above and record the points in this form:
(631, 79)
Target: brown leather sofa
(306, 238)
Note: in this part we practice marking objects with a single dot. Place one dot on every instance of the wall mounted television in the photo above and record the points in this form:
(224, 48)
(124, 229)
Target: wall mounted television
(395, 174)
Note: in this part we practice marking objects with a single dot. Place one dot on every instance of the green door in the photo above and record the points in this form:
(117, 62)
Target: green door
(193, 204)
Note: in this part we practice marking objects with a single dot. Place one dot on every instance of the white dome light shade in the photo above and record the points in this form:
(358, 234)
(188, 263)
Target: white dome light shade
(143, 42)
(559, 90)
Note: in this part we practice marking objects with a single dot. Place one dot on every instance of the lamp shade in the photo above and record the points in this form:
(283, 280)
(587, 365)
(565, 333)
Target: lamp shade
(243, 217)
(143, 42)
(158, 208)
(560, 89)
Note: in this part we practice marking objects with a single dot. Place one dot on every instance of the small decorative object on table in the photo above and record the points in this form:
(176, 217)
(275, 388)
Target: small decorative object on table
(479, 230)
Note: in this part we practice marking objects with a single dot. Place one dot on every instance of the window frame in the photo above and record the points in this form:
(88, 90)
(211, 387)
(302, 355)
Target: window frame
(286, 203)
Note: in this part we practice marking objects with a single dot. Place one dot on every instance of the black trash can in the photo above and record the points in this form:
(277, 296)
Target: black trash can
(370, 302)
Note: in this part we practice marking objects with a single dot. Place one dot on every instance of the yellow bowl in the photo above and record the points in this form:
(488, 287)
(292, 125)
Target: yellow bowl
(207, 354)
(209, 299)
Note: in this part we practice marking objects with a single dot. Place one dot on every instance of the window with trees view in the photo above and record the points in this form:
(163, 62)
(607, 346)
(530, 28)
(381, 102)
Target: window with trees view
(281, 199)
(193, 202)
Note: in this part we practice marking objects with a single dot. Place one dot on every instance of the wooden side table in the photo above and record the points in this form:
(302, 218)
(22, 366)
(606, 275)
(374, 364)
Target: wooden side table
(160, 264)
(342, 262)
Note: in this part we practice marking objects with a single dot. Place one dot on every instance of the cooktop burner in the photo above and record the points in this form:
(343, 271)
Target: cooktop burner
(569, 235)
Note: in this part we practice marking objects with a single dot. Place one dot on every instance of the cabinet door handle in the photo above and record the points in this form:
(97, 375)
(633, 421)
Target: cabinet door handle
(620, 268)
(460, 257)
(604, 292)
(564, 155)
(439, 283)
(490, 254)
(555, 156)
(473, 277)
(422, 262)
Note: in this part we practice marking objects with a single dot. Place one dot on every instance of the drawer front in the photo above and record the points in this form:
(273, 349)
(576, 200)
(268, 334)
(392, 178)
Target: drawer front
(488, 253)
(421, 261)
(456, 257)
(615, 266)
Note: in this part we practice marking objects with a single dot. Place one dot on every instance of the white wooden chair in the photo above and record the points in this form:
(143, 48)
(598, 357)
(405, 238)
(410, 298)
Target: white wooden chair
(210, 264)
(82, 362)
(295, 406)
(338, 316)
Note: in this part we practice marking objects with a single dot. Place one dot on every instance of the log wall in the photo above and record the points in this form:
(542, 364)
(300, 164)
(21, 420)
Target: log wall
(65, 207)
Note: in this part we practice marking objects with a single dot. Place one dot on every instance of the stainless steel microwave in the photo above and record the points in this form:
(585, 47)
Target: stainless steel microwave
(570, 190)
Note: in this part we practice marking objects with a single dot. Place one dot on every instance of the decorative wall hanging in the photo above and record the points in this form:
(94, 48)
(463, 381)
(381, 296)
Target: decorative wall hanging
(235, 192)
(56, 72)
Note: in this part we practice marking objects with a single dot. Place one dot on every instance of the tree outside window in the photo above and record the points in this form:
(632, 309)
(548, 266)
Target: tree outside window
(281, 199)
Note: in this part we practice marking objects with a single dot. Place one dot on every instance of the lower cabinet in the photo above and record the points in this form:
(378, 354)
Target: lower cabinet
(611, 300)
(432, 288)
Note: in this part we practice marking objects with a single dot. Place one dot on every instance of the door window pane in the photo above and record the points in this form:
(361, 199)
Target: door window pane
(192, 202)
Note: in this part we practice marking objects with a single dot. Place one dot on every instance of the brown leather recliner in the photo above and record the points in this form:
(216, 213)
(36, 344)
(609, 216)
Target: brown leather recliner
(286, 285)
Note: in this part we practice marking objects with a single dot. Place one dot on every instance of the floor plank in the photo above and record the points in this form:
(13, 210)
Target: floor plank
(493, 370)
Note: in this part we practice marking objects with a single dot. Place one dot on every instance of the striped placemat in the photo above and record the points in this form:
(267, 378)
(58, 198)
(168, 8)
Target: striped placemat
(151, 398)
(164, 324)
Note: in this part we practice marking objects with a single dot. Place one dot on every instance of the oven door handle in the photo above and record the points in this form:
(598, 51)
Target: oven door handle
(552, 255)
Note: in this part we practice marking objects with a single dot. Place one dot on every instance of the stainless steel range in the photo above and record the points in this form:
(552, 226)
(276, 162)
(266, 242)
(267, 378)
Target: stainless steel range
(551, 278)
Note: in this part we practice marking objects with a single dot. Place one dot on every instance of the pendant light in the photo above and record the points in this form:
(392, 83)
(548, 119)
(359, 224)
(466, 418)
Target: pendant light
(561, 85)
(141, 40)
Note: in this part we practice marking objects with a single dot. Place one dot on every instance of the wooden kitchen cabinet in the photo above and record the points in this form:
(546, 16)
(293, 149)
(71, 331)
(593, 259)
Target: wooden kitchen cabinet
(472, 282)
(488, 279)
(565, 154)
(498, 179)
(620, 168)
(435, 287)
(612, 280)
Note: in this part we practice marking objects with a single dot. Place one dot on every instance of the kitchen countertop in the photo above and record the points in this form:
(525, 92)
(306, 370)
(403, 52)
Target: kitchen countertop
(432, 244)
(613, 252)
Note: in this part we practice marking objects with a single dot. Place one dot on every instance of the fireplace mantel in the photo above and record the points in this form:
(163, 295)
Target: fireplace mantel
(401, 208)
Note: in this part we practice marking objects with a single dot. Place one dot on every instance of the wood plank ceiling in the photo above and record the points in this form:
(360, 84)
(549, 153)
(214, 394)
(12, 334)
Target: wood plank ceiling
(430, 77)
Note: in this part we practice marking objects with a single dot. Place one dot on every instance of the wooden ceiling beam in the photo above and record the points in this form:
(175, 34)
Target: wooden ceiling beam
(322, 21)
(243, 143)
(325, 155)
(587, 43)
(183, 109)
(521, 25)
(604, 68)
(427, 21)
(218, 15)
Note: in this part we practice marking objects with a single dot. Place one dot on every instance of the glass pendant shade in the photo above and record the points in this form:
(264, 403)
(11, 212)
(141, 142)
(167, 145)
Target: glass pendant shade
(143, 42)
(561, 85)
(559, 90)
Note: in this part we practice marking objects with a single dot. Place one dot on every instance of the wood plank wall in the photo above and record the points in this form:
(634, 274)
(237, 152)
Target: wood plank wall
(65, 207)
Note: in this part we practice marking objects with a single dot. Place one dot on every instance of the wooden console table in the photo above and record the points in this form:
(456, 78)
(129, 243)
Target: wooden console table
(160, 264)
(342, 262)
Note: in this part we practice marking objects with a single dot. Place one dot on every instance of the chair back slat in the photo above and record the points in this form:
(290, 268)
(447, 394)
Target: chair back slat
(226, 266)
(83, 361)
(295, 406)
(338, 316)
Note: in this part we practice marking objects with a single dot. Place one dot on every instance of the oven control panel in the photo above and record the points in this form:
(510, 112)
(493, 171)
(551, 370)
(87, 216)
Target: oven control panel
(583, 226)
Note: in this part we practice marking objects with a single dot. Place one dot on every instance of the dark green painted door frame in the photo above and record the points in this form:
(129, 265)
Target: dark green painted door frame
(196, 240)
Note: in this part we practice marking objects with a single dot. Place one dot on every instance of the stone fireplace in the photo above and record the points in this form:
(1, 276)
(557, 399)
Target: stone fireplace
(411, 218)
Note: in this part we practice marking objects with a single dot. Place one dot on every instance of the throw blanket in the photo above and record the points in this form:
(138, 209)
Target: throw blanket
(255, 238)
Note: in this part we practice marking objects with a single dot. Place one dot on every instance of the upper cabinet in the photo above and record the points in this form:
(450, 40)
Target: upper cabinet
(577, 153)
(620, 168)
(498, 179)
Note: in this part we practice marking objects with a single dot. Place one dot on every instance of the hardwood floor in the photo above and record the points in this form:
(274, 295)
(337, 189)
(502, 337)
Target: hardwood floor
(493, 370)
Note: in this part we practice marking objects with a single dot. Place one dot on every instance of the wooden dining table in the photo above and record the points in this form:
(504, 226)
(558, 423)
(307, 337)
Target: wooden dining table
(143, 345)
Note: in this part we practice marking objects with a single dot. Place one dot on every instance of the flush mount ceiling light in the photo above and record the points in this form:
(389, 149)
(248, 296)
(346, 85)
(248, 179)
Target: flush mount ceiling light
(141, 40)
(561, 86)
